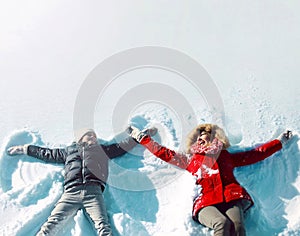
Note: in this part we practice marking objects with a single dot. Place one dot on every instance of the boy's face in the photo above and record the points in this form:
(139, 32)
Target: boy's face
(89, 138)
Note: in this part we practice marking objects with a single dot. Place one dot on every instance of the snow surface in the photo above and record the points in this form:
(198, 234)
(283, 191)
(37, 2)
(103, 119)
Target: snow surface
(250, 49)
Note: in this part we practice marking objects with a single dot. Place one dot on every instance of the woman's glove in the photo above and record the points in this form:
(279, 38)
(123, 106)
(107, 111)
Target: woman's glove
(139, 135)
(285, 137)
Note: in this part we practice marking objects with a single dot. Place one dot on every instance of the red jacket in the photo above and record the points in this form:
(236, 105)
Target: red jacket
(215, 175)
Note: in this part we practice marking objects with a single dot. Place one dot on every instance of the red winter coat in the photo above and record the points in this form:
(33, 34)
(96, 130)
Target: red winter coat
(215, 175)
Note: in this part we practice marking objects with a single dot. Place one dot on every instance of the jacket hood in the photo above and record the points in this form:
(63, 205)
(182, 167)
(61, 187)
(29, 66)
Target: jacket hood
(214, 130)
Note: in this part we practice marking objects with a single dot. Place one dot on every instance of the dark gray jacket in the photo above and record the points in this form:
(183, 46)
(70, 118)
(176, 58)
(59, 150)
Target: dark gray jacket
(83, 164)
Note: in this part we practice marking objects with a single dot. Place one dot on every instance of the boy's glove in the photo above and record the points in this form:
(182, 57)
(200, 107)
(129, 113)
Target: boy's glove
(139, 135)
(17, 150)
(285, 137)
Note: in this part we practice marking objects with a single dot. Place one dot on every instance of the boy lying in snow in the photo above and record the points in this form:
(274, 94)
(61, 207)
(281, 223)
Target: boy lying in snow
(85, 175)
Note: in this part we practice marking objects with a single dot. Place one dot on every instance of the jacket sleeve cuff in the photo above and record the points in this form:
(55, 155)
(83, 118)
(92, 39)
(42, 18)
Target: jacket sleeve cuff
(146, 139)
(25, 149)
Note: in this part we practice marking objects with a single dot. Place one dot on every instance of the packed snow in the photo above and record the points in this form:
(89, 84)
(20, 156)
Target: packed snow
(251, 52)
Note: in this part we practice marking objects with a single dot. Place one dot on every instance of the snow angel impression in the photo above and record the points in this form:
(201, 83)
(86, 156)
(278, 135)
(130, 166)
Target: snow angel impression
(221, 202)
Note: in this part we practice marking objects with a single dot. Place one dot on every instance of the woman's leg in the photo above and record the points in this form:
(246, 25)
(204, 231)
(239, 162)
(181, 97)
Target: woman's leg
(211, 217)
(235, 214)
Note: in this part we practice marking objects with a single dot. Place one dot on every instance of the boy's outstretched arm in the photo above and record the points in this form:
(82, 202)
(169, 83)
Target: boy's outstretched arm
(56, 155)
(17, 150)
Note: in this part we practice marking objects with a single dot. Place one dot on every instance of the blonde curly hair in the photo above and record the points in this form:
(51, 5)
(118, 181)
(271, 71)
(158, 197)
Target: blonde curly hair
(214, 130)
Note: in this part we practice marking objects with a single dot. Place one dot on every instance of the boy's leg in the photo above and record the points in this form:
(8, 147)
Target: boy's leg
(64, 210)
(211, 217)
(95, 209)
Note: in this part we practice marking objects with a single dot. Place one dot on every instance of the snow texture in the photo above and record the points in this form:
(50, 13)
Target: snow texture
(251, 51)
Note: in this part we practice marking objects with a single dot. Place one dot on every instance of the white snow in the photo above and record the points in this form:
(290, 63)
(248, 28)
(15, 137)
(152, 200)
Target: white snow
(251, 51)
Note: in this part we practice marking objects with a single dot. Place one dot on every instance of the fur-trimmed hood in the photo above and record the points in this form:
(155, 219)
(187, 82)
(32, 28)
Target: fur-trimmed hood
(214, 130)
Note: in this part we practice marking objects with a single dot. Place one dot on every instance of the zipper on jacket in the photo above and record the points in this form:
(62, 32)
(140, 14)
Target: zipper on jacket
(82, 171)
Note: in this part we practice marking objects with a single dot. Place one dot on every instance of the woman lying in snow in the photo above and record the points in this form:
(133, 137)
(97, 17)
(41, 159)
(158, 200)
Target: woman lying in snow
(221, 201)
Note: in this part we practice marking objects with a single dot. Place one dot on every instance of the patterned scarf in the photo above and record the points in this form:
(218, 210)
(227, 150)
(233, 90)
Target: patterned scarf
(213, 148)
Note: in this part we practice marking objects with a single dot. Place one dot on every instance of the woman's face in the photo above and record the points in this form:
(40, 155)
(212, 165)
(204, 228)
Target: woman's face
(203, 138)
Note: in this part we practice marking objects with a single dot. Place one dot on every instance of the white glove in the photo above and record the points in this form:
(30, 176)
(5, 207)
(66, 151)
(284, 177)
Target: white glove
(17, 150)
(285, 137)
(150, 131)
(139, 135)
